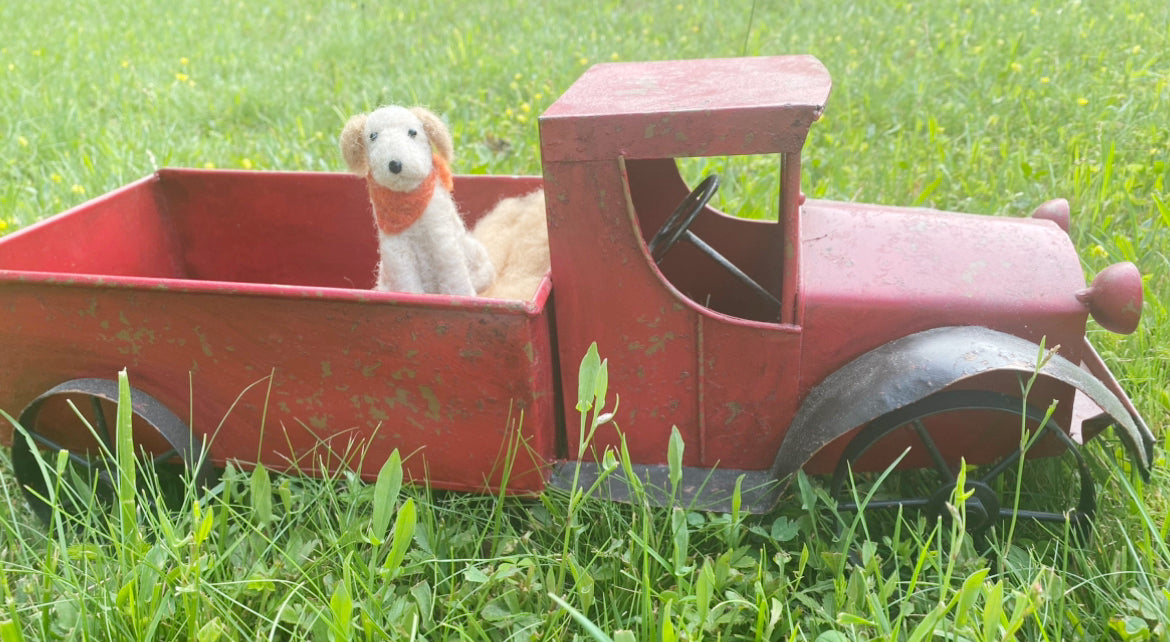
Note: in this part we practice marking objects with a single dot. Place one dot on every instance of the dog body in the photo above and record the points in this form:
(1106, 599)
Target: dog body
(515, 233)
(434, 255)
(423, 243)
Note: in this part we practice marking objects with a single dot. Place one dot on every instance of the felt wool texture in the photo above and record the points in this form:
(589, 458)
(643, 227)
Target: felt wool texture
(423, 243)
(515, 234)
(396, 211)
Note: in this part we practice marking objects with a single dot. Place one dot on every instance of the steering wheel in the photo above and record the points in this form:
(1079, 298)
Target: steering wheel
(677, 227)
(679, 222)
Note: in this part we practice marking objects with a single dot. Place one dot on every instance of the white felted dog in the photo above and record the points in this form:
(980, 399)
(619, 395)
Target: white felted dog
(424, 245)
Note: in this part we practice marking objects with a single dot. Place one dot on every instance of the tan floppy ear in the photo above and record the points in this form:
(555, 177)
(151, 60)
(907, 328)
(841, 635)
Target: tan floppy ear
(353, 145)
(437, 133)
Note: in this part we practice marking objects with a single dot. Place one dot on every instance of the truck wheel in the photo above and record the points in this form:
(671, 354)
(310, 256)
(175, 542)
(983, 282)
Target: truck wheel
(79, 416)
(994, 484)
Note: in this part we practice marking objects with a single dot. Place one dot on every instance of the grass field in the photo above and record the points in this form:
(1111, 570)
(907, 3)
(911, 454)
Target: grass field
(987, 106)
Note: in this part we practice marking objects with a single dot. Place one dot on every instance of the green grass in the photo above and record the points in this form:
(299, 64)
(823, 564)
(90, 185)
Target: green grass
(992, 107)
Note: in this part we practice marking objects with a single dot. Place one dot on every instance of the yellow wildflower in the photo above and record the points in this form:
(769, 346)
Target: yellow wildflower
(77, 189)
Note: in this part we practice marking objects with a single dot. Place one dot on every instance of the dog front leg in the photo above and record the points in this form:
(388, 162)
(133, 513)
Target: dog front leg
(398, 270)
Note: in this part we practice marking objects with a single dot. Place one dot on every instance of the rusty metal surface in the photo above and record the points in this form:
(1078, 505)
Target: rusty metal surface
(179, 440)
(281, 355)
(908, 369)
(668, 109)
(1096, 366)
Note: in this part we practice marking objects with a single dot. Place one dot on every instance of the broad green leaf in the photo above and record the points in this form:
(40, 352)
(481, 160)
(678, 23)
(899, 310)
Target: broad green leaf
(424, 598)
(926, 627)
(737, 500)
(681, 535)
(668, 634)
(992, 611)
(674, 457)
(587, 378)
(261, 495)
(583, 582)
(211, 631)
(1020, 611)
(784, 529)
(10, 632)
(601, 386)
(127, 468)
(609, 461)
(404, 527)
(204, 520)
(704, 589)
(972, 586)
(475, 575)
(386, 489)
(1129, 628)
(341, 605)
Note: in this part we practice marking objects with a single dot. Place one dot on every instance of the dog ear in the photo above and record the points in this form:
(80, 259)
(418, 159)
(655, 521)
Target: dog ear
(353, 145)
(437, 133)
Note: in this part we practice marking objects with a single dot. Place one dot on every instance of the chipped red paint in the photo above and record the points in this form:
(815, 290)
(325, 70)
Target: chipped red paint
(241, 299)
(230, 301)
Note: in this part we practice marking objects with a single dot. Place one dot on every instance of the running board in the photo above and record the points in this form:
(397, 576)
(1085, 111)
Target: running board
(705, 489)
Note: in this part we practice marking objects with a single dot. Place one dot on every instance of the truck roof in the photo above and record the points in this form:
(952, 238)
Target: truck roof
(669, 109)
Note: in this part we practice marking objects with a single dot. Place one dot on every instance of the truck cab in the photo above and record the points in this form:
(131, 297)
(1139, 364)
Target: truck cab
(742, 333)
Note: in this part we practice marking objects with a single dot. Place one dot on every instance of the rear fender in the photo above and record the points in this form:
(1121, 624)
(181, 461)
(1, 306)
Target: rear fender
(913, 367)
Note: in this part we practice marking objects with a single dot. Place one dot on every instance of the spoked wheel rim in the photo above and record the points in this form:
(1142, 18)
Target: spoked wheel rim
(986, 507)
(50, 425)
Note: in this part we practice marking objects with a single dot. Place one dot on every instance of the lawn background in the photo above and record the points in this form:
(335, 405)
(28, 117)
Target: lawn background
(984, 106)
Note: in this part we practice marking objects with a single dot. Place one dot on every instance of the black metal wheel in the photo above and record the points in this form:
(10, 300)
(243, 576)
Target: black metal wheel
(997, 493)
(78, 417)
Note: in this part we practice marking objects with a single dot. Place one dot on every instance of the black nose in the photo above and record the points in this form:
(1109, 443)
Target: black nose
(395, 167)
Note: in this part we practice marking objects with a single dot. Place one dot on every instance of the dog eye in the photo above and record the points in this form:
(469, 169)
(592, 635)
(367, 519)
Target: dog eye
(412, 133)
(373, 135)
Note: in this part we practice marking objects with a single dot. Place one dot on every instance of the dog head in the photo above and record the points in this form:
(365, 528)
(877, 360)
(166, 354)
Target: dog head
(395, 145)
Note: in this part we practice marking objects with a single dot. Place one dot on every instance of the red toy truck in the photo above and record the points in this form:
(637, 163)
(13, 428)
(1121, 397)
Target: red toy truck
(832, 337)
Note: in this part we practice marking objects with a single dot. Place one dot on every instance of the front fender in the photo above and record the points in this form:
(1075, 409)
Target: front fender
(913, 367)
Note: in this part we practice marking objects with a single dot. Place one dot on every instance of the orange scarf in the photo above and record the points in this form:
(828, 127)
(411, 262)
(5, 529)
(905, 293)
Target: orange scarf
(396, 211)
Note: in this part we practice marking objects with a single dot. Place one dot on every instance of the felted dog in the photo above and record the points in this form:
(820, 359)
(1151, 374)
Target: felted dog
(423, 243)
